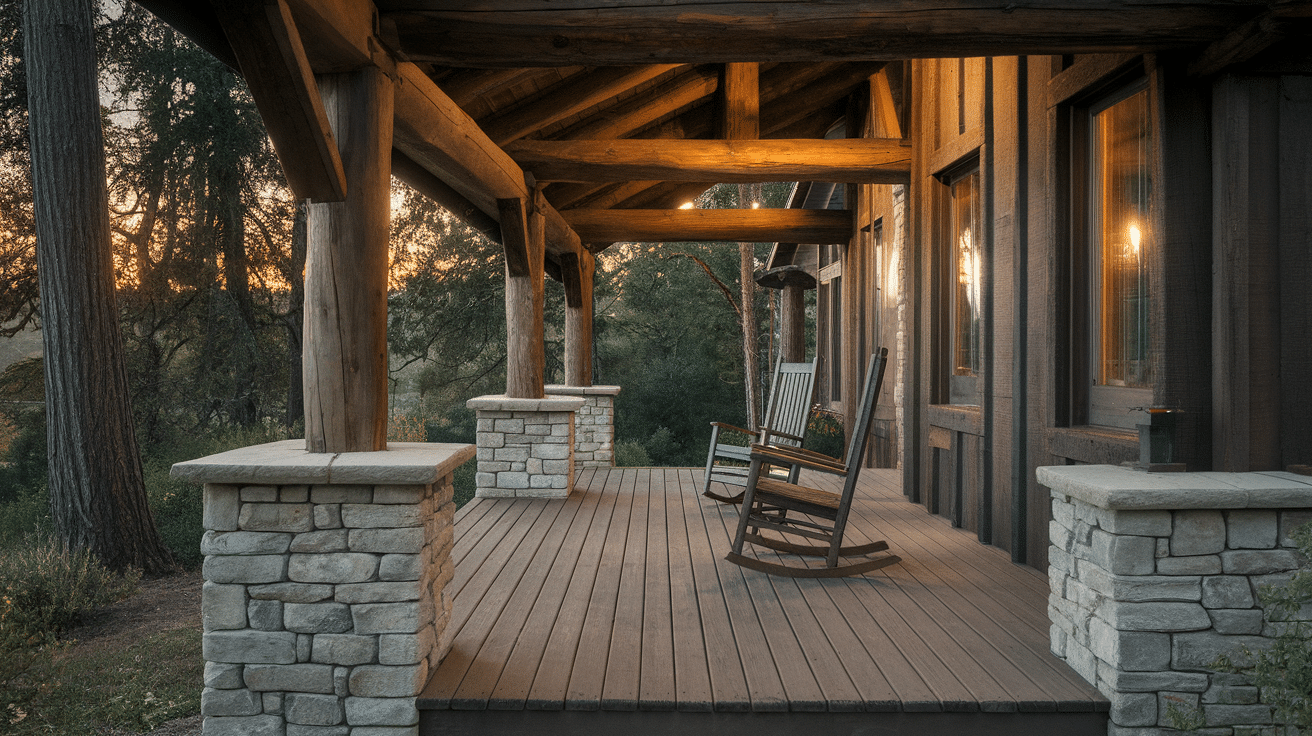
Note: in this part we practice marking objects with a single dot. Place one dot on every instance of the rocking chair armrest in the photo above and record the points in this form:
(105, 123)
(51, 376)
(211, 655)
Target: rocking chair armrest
(726, 425)
(798, 456)
(767, 433)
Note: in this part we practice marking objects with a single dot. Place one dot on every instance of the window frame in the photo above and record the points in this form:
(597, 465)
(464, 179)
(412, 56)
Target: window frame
(958, 389)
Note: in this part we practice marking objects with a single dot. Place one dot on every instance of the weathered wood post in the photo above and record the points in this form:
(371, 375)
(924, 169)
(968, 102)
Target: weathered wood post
(345, 364)
(522, 237)
(594, 422)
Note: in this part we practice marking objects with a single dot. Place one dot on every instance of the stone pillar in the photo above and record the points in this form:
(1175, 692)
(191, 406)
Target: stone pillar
(594, 424)
(525, 446)
(1153, 576)
(325, 605)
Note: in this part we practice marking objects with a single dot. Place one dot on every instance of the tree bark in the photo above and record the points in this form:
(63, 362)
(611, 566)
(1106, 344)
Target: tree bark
(97, 493)
(746, 269)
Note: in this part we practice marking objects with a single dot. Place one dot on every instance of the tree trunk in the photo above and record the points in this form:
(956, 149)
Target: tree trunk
(97, 495)
(746, 270)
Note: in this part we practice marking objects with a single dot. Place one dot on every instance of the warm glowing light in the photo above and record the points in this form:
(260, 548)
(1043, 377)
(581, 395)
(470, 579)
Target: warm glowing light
(687, 206)
(756, 205)
(1134, 238)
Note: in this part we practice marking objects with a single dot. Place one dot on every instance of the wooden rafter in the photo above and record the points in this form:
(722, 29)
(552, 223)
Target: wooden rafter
(573, 96)
(625, 119)
(268, 48)
(750, 226)
(533, 33)
(855, 161)
(1247, 41)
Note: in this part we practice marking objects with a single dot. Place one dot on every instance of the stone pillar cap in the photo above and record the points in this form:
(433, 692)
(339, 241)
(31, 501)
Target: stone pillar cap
(501, 402)
(558, 388)
(286, 462)
(1116, 487)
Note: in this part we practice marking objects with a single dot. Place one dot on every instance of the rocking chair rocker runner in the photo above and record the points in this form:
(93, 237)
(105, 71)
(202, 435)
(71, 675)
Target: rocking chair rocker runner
(767, 501)
(791, 391)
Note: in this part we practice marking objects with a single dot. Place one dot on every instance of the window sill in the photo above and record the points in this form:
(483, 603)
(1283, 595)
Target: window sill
(1094, 445)
(958, 418)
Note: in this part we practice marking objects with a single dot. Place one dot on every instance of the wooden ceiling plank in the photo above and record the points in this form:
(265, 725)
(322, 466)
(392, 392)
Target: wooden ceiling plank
(665, 196)
(640, 31)
(470, 84)
(570, 98)
(789, 109)
(268, 48)
(632, 116)
(853, 161)
(749, 226)
(742, 102)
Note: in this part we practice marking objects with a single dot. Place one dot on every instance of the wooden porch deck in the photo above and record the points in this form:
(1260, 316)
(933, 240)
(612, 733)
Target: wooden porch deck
(615, 610)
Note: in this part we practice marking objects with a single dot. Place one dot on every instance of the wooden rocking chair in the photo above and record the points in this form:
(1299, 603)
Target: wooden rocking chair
(821, 515)
(784, 424)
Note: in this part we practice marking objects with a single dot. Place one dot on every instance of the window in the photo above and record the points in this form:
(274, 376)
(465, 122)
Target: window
(1120, 241)
(962, 262)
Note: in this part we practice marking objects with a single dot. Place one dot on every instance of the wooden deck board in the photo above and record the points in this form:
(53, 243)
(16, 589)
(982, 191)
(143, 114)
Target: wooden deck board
(619, 599)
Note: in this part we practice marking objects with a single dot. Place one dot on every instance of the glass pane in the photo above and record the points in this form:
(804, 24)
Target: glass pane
(967, 298)
(1123, 239)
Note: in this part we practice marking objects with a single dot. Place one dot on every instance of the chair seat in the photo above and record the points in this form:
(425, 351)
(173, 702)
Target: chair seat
(766, 487)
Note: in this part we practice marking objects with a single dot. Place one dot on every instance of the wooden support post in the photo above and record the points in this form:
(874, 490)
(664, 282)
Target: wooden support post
(578, 271)
(522, 226)
(345, 364)
(793, 325)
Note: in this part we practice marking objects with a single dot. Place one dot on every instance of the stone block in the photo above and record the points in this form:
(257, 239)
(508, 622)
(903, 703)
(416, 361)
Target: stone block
(1123, 555)
(1198, 650)
(385, 731)
(1227, 591)
(383, 681)
(261, 725)
(221, 507)
(276, 517)
(222, 606)
(292, 678)
(1197, 532)
(1081, 660)
(1141, 682)
(490, 439)
(291, 592)
(295, 729)
(344, 649)
(1059, 536)
(399, 494)
(342, 494)
(1251, 529)
(265, 615)
(407, 540)
(381, 712)
(1232, 694)
(327, 516)
(370, 516)
(540, 481)
(340, 567)
(399, 567)
(259, 494)
(551, 451)
(406, 648)
(304, 647)
(317, 618)
(340, 677)
(1133, 709)
(1230, 621)
(313, 710)
(272, 703)
(555, 467)
(223, 675)
(1137, 523)
(1136, 651)
(1180, 702)
(1259, 562)
(512, 480)
(1140, 587)
(230, 703)
(485, 480)
(513, 453)
(249, 647)
(1200, 565)
(327, 540)
(1155, 616)
(377, 592)
(245, 569)
(387, 618)
(1236, 715)
(509, 426)
(294, 494)
(244, 543)
(1289, 521)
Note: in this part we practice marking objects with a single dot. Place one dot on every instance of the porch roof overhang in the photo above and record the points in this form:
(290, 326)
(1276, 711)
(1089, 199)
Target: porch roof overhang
(494, 96)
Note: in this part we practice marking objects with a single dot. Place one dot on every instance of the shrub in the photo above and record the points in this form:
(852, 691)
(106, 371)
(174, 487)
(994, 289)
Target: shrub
(824, 433)
(631, 454)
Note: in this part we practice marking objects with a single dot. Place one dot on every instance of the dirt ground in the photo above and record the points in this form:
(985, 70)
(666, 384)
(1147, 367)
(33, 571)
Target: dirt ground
(162, 604)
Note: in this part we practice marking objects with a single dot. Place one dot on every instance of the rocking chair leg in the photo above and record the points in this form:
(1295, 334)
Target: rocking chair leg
(745, 511)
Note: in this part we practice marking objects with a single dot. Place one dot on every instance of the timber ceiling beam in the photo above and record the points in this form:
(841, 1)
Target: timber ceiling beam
(625, 119)
(626, 32)
(1249, 40)
(850, 161)
(748, 226)
(741, 94)
(570, 98)
(268, 48)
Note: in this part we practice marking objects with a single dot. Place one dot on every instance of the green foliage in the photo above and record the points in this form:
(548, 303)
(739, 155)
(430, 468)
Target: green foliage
(631, 454)
(824, 433)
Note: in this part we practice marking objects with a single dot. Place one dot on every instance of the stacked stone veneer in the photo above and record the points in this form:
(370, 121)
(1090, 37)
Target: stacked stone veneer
(1153, 576)
(594, 424)
(525, 446)
(325, 602)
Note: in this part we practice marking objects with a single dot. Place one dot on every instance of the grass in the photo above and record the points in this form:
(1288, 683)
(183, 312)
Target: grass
(85, 688)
